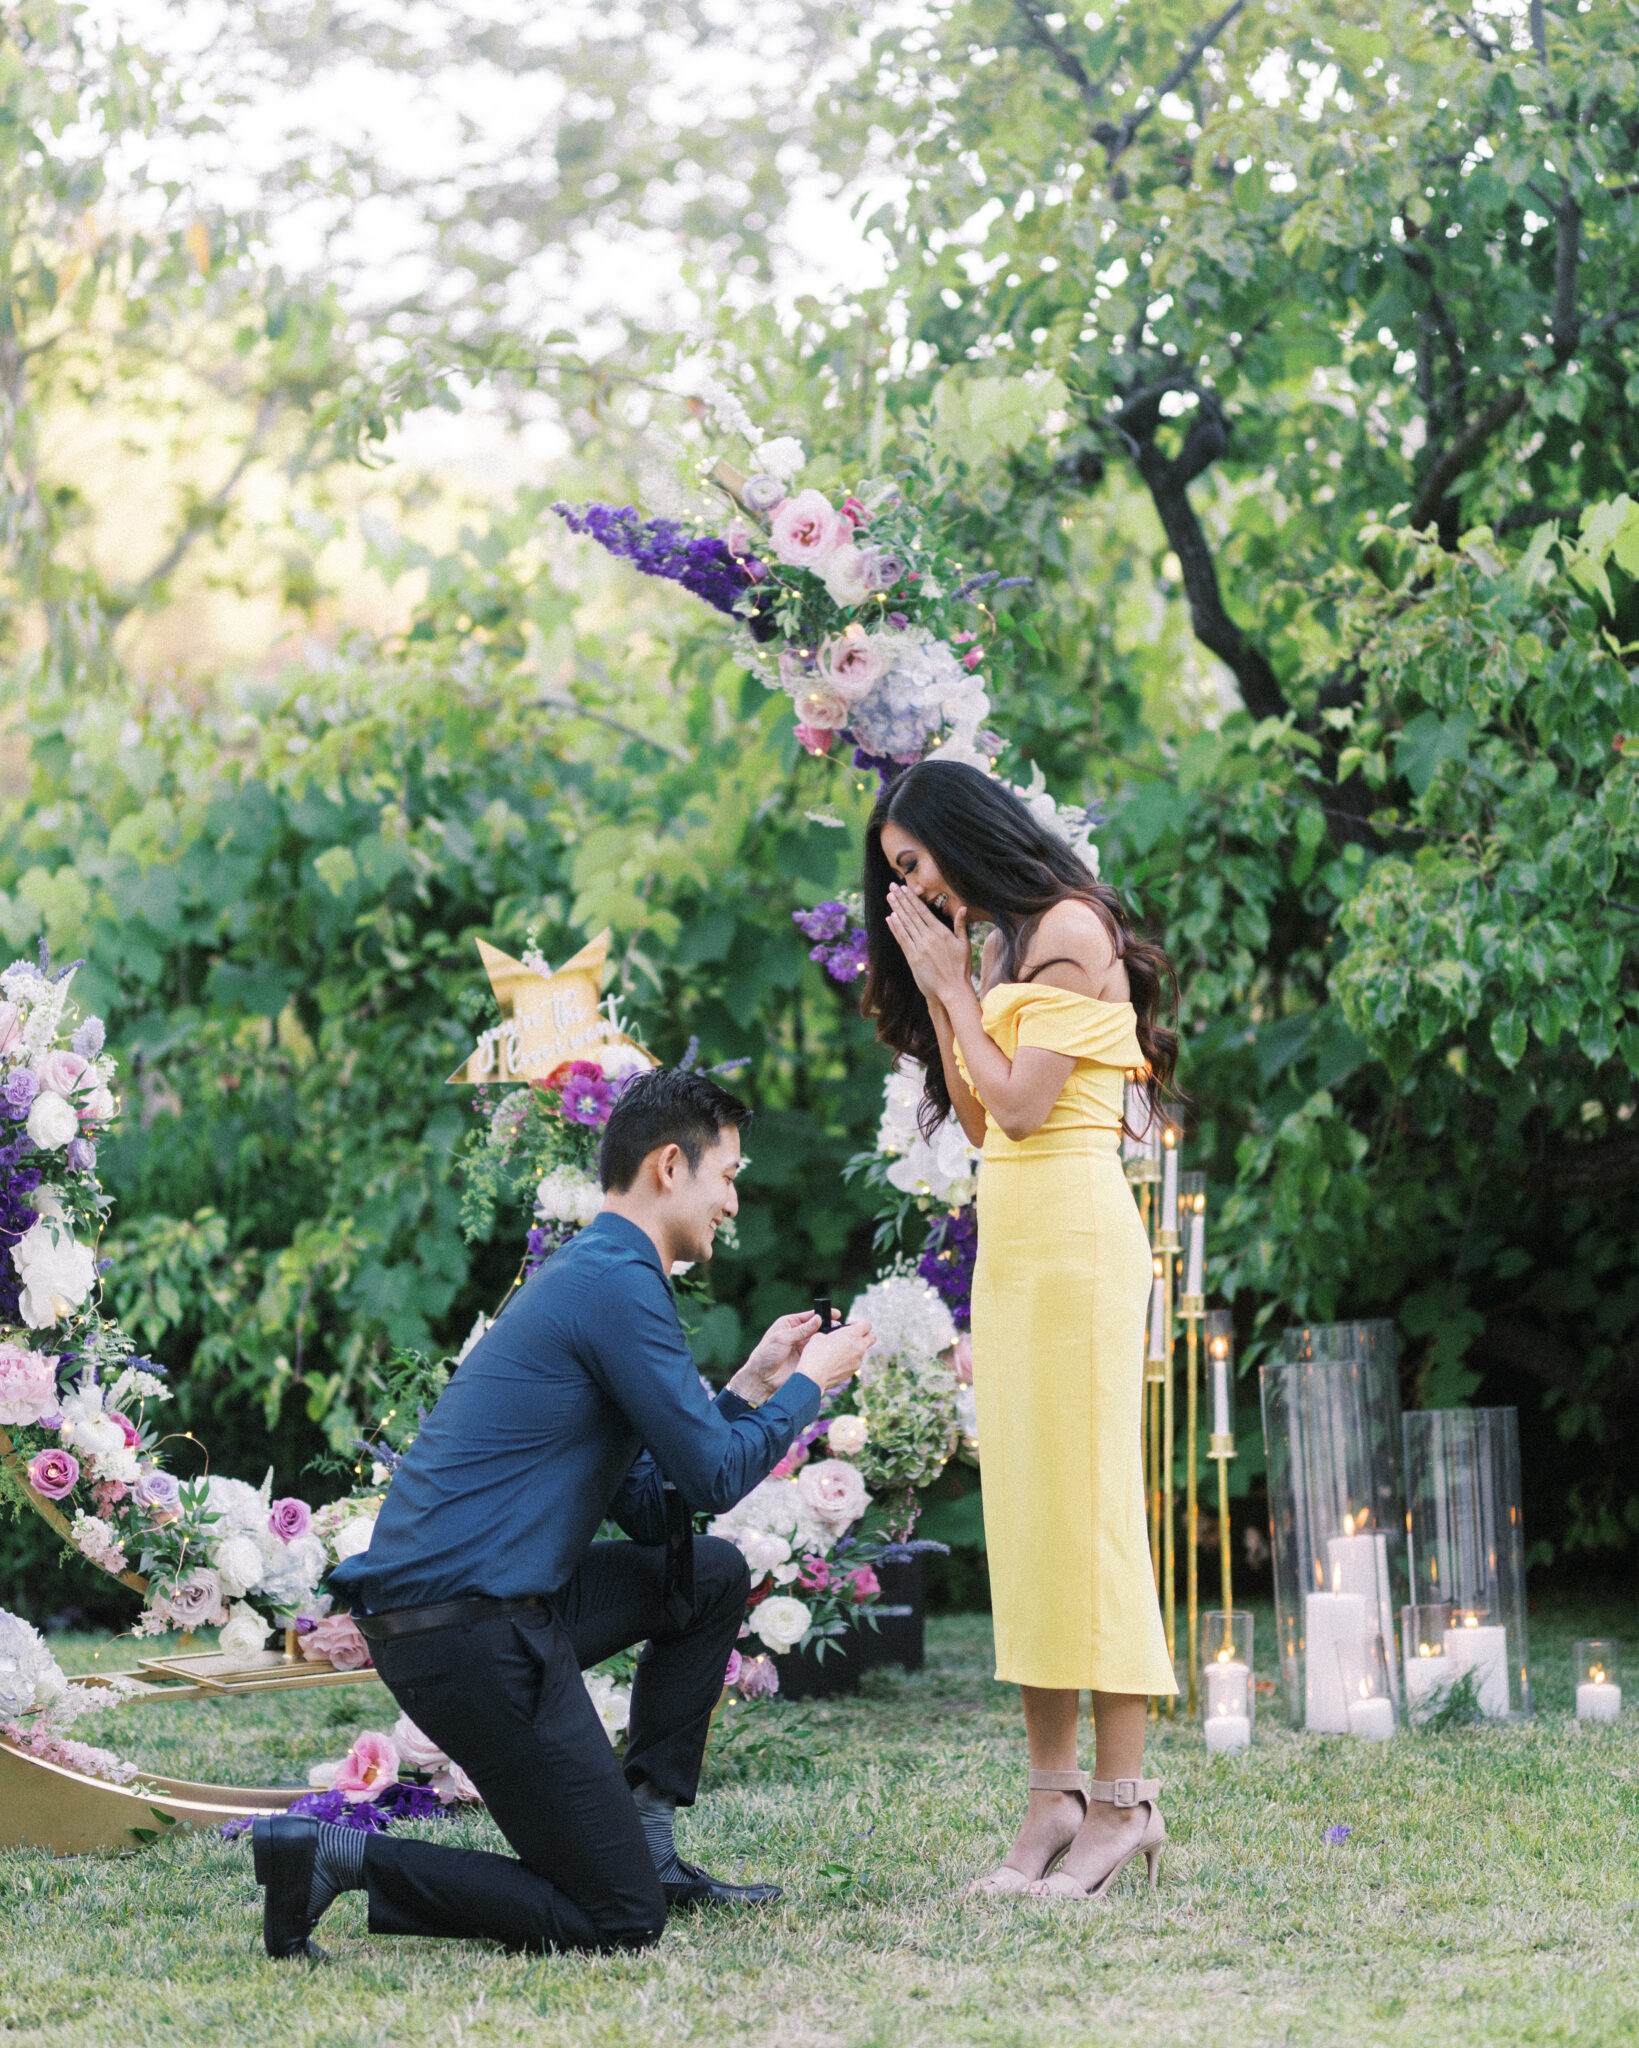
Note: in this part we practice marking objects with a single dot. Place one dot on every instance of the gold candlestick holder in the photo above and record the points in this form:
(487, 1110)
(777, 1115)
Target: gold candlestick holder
(1191, 1308)
(1220, 1345)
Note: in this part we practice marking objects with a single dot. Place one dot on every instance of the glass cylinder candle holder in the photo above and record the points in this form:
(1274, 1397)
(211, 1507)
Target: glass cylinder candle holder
(1140, 1132)
(1363, 1674)
(1596, 1673)
(1425, 1669)
(1227, 1692)
(1466, 1547)
(1336, 1521)
(1192, 1265)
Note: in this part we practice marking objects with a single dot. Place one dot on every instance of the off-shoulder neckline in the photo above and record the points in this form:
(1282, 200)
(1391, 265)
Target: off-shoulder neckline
(1037, 987)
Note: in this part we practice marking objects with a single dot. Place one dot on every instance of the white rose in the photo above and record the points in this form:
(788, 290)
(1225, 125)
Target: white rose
(100, 1105)
(780, 1623)
(238, 1563)
(244, 1632)
(353, 1537)
(781, 458)
(834, 1491)
(56, 1272)
(52, 1123)
(762, 1551)
(847, 1435)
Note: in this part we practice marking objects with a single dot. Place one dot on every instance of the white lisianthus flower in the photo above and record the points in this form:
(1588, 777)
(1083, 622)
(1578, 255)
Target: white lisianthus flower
(244, 1632)
(847, 575)
(238, 1561)
(780, 1622)
(782, 458)
(353, 1537)
(96, 1436)
(847, 1435)
(566, 1195)
(944, 1166)
(613, 1703)
(908, 1316)
(57, 1273)
(52, 1122)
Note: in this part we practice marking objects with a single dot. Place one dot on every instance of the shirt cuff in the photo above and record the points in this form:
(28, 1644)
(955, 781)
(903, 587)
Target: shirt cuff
(797, 1402)
(731, 1406)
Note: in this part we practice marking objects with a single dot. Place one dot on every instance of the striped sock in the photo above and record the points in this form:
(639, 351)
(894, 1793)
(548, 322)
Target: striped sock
(658, 1813)
(338, 1865)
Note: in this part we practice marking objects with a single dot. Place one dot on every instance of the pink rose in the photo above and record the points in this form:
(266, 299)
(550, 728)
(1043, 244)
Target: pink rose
(416, 1750)
(369, 1767)
(821, 707)
(864, 1584)
(964, 1358)
(852, 665)
(816, 739)
(758, 1678)
(832, 1489)
(336, 1641)
(806, 531)
(28, 1384)
(54, 1474)
(290, 1518)
(731, 1675)
(10, 1029)
(60, 1073)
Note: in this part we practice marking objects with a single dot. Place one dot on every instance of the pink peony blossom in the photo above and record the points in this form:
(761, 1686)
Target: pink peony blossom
(806, 530)
(864, 1584)
(54, 1474)
(336, 1641)
(28, 1384)
(416, 1750)
(759, 1680)
(852, 664)
(731, 1675)
(816, 739)
(369, 1767)
(290, 1518)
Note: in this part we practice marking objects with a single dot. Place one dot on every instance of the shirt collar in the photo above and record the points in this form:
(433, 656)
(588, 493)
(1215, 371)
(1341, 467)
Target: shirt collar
(622, 1231)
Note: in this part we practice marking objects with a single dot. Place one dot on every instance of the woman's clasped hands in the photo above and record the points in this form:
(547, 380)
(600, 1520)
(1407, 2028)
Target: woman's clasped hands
(939, 957)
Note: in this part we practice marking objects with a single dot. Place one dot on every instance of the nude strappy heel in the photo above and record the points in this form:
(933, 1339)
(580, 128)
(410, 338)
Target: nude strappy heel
(1005, 1881)
(1120, 1793)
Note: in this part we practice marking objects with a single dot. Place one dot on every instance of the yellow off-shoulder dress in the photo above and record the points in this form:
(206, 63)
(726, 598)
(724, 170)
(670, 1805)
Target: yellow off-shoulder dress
(1060, 1294)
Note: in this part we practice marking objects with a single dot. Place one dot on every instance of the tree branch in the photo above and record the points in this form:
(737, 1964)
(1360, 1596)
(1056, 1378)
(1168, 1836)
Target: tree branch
(1169, 481)
(1200, 43)
(203, 515)
(1567, 327)
(1461, 453)
(1066, 60)
(1539, 32)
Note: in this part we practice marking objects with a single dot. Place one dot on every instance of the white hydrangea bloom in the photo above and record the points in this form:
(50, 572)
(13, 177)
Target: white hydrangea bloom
(290, 1571)
(29, 1675)
(240, 1505)
(909, 1318)
(566, 1195)
(782, 457)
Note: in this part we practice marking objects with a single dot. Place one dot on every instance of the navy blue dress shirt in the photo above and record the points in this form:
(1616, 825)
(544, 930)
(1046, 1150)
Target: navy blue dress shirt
(578, 1404)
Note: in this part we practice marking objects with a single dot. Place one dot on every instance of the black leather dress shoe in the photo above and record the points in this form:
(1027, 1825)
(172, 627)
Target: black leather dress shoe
(283, 1846)
(700, 1888)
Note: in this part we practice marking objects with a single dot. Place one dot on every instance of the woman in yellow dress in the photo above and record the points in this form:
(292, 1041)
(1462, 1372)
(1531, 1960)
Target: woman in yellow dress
(1033, 1067)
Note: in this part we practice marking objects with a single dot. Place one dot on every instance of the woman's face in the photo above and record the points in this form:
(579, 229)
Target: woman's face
(916, 868)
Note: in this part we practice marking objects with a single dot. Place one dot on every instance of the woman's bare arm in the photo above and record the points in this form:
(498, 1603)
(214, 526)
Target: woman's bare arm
(970, 1111)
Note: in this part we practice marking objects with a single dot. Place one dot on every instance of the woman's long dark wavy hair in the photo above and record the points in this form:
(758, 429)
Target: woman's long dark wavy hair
(1009, 868)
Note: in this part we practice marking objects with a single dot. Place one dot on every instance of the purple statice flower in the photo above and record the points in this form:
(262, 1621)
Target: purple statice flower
(19, 1093)
(88, 1041)
(824, 921)
(667, 548)
(948, 1258)
(1338, 1833)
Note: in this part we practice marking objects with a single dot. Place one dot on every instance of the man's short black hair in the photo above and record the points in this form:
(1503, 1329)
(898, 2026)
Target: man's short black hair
(665, 1106)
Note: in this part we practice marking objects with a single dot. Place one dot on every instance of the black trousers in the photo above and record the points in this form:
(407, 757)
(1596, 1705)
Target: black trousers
(506, 1700)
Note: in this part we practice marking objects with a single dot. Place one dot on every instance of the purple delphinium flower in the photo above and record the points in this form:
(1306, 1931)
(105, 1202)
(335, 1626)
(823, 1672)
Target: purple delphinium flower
(1337, 1833)
(701, 562)
(840, 950)
(89, 1039)
(824, 921)
(947, 1261)
(19, 1092)
(848, 959)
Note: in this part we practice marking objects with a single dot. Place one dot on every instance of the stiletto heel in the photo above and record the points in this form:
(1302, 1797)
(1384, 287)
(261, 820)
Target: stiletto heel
(1006, 1881)
(1120, 1793)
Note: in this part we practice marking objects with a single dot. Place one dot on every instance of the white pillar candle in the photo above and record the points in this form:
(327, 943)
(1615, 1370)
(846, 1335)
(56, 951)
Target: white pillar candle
(1226, 1733)
(1169, 1186)
(1196, 1281)
(1222, 1415)
(1158, 1320)
(1425, 1676)
(1329, 1619)
(1484, 1651)
(1372, 1720)
(1360, 1564)
(1598, 1702)
(1226, 1687)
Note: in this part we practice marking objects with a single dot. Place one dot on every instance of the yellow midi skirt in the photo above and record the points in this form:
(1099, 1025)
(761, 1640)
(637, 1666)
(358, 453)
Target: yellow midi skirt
(1060, 1294)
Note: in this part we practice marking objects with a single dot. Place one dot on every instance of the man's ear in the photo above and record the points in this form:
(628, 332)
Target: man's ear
(670, 1164)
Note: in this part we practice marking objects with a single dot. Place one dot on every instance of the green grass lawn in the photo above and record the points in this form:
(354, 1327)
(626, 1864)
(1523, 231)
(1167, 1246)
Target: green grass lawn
(1488, 1893)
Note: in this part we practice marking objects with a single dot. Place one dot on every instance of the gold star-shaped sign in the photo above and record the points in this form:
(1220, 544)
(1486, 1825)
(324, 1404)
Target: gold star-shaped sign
(546, 1019)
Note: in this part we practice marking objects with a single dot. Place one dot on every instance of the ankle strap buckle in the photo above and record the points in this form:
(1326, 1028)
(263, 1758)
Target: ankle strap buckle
(1125, 1791)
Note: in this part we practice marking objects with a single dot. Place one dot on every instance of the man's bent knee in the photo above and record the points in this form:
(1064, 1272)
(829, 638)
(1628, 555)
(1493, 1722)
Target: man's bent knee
(720, 1569)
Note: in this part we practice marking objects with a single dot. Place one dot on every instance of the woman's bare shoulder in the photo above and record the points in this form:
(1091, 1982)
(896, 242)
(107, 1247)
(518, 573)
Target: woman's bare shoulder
(1076, 950)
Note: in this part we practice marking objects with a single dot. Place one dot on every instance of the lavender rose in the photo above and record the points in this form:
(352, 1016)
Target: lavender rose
(159, 1496)
(762, 492)
(54, 1474)
(290, 1518)
(194, 1602)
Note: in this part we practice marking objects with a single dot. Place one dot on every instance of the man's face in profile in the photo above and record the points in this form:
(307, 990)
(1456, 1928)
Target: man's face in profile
(699, 1201)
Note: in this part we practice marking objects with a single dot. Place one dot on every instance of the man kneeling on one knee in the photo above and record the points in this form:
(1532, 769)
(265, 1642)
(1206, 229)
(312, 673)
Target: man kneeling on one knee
(483, 1594)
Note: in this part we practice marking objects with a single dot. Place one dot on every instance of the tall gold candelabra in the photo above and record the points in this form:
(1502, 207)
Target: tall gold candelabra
(1220, 1346)
(1191, 1308)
